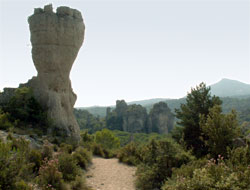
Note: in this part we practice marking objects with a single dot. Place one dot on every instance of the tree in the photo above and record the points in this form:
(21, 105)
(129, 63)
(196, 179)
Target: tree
(107, 139)
(220, 129)
(198, 102)
(24, 108)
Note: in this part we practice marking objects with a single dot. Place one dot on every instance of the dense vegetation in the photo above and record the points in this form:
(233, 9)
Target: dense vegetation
(200, 153)
(23, 112)
(50, 167)
(219, 163)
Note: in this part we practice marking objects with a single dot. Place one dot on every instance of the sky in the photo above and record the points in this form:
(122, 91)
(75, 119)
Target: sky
(137, 49)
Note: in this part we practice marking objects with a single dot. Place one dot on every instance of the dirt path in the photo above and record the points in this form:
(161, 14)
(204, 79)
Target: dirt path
(109, 174)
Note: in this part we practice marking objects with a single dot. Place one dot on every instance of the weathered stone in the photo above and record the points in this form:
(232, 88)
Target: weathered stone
(121, 107)
(161, 120)
(56, 39)
(135, 119)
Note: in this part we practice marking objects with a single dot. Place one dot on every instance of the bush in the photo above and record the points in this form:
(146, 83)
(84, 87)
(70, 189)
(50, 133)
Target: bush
(68, 167)
(25, 108)
(10, 165)
(35, 157)
(82, 157)
(107, 139)
(67, 148)
(79, 184)
(215, 175)
(49, 175)
(220, 130)
(130, 154)
(98, 150)
(158, 160)
(47, 151)
(21, 185)
(5, 124)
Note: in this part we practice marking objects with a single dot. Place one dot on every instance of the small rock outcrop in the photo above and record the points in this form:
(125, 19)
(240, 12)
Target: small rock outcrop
(161, 120)
(56, 38)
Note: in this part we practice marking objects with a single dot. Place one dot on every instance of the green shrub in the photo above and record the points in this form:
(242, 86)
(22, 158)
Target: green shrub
(49, 175)
(4, 121)
(35, 157)
(47, 151)
(66, 148)
(220, 130)
(215, 175)
(239, 157)
(68, 167)
(12, 162)
(98, 150)
(188, 169)
(130, 154)
(158, 160)
(107, 139)
(82, 157)
(79, 184)
(22, 185)
(25, 108)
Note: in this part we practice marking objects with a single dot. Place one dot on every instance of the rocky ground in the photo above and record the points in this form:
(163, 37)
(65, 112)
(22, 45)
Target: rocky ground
(109, 174)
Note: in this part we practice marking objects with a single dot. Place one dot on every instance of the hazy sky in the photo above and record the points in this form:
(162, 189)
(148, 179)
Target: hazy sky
(137, 49)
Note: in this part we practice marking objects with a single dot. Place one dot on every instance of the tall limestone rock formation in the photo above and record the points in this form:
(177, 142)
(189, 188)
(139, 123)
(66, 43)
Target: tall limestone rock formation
(135, 119)
(56, 38)
(161, 120)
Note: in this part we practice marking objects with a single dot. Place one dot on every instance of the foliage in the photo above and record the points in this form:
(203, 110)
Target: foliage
(19, 165)
(215, 175)
(66, 148)
(139, 138)
(220, 130)
(89, 122)
(13, 164)
(198, 102)
(177, 134)
(47, 151)
(49, 175)
(35, 157)
(4, 121)
(26, 109)
(107, 139)
(83, 157)
(79, 184)
(68, 167)
(158, 159)
(130, 154)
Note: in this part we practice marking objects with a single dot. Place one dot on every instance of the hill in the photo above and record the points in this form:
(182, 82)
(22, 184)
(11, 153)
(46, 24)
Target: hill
(230, 88)
(234, 94)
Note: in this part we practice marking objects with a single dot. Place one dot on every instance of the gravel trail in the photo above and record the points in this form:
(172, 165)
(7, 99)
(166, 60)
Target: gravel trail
(109, 174)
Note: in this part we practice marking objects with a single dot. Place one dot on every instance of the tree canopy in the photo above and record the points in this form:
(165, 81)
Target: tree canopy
(198, 102)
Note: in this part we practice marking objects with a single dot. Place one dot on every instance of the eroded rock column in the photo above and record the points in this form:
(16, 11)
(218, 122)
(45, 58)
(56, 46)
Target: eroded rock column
(56, 38)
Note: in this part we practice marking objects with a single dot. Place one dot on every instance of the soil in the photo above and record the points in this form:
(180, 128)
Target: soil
(110, 174)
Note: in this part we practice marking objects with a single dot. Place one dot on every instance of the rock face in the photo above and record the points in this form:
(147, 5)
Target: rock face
(56, 39)
(135, 119)
(161, 120)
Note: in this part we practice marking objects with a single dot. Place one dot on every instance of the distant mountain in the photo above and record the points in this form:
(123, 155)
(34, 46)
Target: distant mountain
(148, 102)
(234, 94)
(230, 88)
